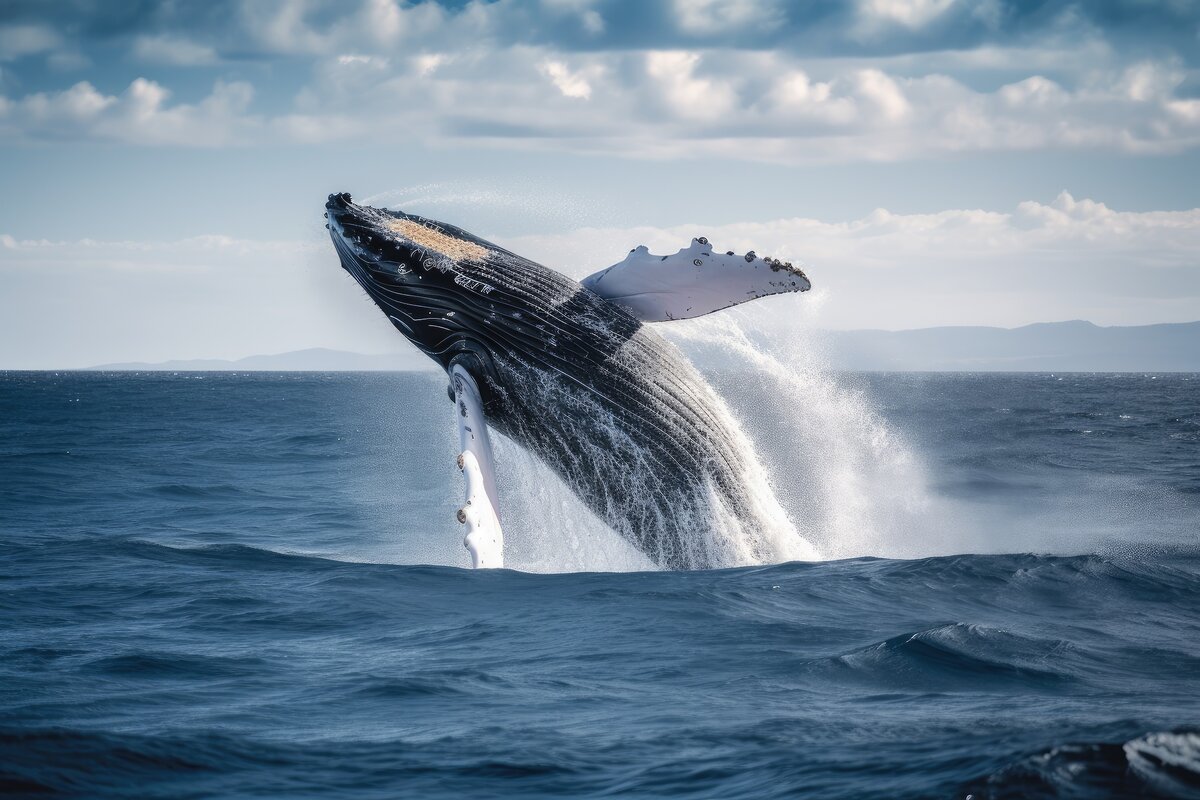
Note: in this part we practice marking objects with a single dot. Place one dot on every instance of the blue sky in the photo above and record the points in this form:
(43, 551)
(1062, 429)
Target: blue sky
(932, 161)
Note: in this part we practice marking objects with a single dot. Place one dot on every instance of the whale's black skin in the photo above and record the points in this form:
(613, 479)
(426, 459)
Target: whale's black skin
(597, 396)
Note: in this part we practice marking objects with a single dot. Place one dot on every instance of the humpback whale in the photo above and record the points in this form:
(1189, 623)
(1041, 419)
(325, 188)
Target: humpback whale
(573, 373)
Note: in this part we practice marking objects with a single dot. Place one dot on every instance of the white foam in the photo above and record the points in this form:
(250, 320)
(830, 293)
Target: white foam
(550, 529)
(848, 483)
(853, 486)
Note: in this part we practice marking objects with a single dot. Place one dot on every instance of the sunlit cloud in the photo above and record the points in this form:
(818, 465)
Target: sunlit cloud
(910, 79)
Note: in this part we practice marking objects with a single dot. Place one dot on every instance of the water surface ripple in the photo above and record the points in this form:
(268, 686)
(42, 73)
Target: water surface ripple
(195, 602)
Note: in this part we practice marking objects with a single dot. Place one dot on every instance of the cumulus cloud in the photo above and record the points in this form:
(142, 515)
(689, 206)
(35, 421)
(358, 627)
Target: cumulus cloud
(707, 17)
(687, 95)
(142, 114)
(297, 27)
(910, 13)
(930, 19)
(763, 81)
(589, 18)
(661, 103)
(570, 84)
(858, 27)
(762, 106)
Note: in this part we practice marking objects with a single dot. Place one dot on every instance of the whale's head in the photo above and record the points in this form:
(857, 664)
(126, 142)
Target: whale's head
(430, 279)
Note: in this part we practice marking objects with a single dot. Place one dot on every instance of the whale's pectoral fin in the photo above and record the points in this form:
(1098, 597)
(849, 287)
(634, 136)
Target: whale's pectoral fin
(693, 282)
(485, 539)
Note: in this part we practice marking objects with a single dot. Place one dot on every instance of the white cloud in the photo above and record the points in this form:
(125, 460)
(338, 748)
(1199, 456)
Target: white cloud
(883, 94)
(173, 51)
(686, 94)
(370, 68)
(589, 18)
(796, 96)
(347, 60)
(909, 13)
(1187, 111)
(18, 41)
(1036, 92)
(706, 17)
(877, 20)
(571, 85)
(141, 114)
(286, 27)
(428, 63)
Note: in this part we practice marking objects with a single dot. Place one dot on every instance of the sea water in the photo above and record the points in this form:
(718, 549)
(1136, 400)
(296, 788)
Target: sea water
(250, 585)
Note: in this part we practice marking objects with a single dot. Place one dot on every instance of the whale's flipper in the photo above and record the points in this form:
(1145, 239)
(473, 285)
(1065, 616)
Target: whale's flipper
(485, 539)
(693, 282)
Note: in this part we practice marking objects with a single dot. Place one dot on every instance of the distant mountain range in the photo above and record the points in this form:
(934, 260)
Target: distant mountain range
(1053, 346)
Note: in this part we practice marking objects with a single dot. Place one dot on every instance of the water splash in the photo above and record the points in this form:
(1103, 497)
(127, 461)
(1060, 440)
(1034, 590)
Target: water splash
(851, 483)
(549, 529)
(822, 463)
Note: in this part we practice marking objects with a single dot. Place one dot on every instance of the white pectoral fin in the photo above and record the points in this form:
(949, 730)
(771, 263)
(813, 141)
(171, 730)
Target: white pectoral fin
(693, 282)
(480, 513)
(484, 539)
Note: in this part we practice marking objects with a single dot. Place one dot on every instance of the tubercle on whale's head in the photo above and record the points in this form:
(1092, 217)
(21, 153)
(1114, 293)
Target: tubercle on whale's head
(398, 237)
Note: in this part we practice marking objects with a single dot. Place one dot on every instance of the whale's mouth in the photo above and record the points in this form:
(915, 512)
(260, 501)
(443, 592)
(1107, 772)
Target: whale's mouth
(339, 208)
(339, 201)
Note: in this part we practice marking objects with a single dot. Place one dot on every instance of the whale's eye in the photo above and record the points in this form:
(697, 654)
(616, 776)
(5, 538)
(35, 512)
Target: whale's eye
(697, 262)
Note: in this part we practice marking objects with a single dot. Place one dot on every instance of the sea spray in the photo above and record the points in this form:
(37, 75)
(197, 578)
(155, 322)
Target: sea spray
(851, 483)
(549, 529)
(824, 464)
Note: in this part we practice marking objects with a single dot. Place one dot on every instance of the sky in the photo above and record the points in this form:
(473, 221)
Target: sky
(164, 164)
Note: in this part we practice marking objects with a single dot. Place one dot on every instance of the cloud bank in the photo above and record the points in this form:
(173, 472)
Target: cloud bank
(86, 302)
(873, 80)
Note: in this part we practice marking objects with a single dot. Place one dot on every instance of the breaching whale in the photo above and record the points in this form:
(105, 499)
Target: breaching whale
(572, 372)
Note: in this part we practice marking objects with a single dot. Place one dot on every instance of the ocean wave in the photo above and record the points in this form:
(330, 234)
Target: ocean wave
(963, 657)
(1163, 764)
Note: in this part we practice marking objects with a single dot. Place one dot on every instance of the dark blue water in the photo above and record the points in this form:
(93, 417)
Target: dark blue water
(196, 601)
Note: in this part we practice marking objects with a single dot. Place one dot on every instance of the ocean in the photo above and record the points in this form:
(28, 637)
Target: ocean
(252, 585)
